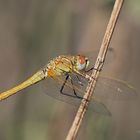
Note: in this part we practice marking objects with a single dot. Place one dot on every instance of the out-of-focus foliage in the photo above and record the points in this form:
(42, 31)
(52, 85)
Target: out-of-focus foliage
(33, 32)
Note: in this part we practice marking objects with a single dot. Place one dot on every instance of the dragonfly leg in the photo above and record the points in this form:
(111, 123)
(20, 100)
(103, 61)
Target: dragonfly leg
(74, 89)
(93, 68)
(61, 90)
(99, 68)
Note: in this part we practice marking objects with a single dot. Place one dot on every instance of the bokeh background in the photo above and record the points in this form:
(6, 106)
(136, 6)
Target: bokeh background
(33, 32)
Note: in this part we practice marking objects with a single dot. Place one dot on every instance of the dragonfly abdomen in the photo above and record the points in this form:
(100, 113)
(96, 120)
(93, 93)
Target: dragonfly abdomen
(32, 80)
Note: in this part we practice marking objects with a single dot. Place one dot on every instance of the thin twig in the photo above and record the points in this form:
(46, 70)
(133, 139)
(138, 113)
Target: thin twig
(95, 73)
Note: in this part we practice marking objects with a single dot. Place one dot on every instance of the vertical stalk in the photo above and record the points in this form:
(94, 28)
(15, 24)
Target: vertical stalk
(95, 73)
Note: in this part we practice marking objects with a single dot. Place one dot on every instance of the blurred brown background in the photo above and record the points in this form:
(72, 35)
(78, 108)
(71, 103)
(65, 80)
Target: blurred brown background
(33, 32)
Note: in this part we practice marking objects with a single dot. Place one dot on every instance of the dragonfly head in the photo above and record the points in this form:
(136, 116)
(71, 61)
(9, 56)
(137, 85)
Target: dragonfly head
(82, 62)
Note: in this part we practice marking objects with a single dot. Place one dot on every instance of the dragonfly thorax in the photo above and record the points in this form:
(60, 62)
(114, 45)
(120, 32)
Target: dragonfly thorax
(64, 64)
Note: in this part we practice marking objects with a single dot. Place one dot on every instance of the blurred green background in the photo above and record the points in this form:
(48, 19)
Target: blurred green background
(33, 32)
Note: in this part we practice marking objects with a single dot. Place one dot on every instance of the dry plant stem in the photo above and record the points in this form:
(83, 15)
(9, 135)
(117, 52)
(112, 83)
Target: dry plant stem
(95, 73)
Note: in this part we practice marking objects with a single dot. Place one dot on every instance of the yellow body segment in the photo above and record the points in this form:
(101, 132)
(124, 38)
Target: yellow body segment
(60, 65)
(32, 80)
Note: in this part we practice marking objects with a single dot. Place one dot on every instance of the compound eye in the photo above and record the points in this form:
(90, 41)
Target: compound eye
(82, 60)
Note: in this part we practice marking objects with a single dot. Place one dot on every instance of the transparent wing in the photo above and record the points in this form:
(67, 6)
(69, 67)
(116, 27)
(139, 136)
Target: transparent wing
(114, 89)
(108, 88)
(52, 88)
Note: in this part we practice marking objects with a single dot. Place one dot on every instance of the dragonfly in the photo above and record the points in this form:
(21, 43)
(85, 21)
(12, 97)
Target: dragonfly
(67, 77)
